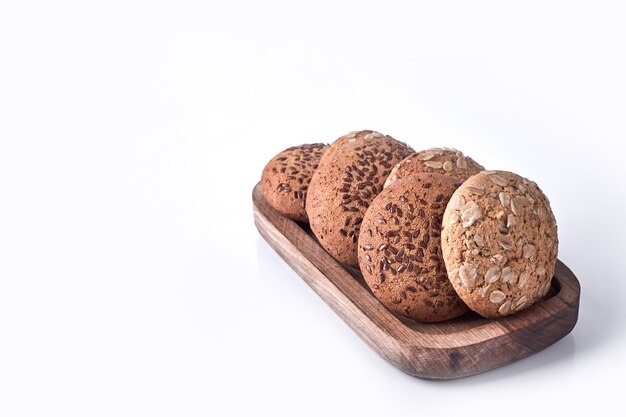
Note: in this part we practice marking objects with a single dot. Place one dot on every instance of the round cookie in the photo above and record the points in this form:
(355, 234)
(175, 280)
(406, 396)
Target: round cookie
(450, 162)
(351, 138)
(286, 178)
(342, 189)
(499, 243)
(400, 248)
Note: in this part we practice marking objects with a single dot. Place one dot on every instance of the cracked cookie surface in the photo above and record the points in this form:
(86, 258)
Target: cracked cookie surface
(445, 161)
(499, 241)
(286, 177)
(343, 187)
(400, 248)
(349, 138)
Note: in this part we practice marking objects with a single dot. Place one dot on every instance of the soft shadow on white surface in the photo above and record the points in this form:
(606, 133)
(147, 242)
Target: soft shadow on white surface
(597, 324)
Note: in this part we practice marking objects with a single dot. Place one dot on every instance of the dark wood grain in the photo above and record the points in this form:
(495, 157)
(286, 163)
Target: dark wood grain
(456, 348)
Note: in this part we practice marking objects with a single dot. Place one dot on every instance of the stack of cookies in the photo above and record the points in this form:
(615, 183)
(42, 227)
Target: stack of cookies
(434, 234)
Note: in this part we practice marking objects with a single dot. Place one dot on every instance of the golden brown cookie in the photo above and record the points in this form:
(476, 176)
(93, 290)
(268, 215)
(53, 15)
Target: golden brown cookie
(343, 188)
(286, 178)
(400, 248)
(436, 160)
(499, 242)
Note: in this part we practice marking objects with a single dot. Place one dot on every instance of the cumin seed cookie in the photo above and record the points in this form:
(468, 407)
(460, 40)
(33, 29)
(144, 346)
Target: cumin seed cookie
(400, 248)
(286, 178)
(500, 243)
(342, 189)
(450, 162)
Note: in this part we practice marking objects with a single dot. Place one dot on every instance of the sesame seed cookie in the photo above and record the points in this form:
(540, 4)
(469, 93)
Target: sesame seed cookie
(436, 160)
(499, 241)
(344, 186)
(400, 248)
(286, 178)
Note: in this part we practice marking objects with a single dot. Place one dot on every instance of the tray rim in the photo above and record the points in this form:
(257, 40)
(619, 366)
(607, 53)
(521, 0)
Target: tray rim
(405, 347)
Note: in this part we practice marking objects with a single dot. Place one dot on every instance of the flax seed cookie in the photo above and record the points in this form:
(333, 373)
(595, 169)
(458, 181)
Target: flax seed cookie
(351, 137)
(344, 186)
(499, 241)
(400, 248)
(436, 160)
(286, 178)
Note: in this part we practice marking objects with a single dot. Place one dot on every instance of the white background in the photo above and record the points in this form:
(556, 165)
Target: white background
(132, 278)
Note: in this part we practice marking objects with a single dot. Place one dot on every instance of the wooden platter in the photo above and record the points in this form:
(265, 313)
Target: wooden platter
(452, 349)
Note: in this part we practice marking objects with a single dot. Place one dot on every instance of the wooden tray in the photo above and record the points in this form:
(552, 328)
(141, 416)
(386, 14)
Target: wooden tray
(464, 346)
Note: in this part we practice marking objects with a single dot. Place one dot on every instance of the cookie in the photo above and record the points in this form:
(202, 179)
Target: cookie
(436, 160)
(286, 178)
(343, 188)
(350, 138)
(400, 248)
(499, 242)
